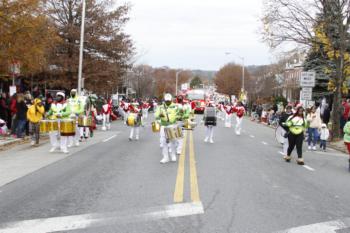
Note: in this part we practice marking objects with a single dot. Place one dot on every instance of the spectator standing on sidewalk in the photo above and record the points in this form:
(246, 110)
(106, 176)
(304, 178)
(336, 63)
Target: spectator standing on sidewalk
(35, 114)
(21, 115)
(3, 107)
(347, 138)
(314, 122)
(324, 135)
(13, 110)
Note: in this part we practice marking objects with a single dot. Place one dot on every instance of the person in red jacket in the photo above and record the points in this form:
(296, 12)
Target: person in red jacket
(239, 110)
(13, 110)
(228, 115)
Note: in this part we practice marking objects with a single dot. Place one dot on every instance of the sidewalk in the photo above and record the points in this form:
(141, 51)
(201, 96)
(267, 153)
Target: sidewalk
(338, 145)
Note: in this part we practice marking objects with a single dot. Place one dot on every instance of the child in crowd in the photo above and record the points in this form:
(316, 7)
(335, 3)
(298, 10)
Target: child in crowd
(324, 135)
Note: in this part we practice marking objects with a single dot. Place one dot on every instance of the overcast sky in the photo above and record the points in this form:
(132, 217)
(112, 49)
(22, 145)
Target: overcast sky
(195, 34)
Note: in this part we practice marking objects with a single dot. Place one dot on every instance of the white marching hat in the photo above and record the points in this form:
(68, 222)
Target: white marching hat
(168, 97)
(61, 94)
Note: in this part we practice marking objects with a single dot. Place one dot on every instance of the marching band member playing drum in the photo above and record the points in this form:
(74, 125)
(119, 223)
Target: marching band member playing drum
(76, 108)
(136, 114)
(209, 119)
(168, 115)
(184, 114)
(58, 111)
(239, 110)
(106, 114)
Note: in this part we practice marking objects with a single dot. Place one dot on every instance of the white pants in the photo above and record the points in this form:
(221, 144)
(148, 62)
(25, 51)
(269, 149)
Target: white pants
(55, 143)
(106, 124)
(74, 140)
(84, 131)
(228, 120)
(134, 130)
(239, 121)
(145, 113)
(166, 146)
(209, 133)
(285, 143)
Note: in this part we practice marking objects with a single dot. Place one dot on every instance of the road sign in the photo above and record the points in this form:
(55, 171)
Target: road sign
(306, 93)
(185, 86)
(307, 79)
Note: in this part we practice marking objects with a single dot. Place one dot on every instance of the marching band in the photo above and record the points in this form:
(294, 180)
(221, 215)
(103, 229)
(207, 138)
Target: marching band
(70, 121)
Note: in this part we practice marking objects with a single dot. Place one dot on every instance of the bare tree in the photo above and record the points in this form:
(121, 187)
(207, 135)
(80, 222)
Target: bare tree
(298, 21)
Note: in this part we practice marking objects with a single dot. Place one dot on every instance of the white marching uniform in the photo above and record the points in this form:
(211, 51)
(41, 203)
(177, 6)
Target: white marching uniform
(106, 114)
(240, 110)
(56, 140)
(228, 117)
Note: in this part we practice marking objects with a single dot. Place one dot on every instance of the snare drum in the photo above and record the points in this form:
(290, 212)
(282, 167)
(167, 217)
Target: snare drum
(173, 132)
(155, 127)
(67, 127)
(84, 121)
(44, 126)
(52, 125)
(131, 120)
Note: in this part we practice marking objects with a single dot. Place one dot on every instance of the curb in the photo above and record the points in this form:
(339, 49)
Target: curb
(17, 142)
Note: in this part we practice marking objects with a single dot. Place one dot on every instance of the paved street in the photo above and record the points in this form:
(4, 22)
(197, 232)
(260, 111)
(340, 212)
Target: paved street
(237, 184)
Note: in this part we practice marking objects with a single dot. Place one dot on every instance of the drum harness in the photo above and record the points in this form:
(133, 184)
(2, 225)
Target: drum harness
(167, 116)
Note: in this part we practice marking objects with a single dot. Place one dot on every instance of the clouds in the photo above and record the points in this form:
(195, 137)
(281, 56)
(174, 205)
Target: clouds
(196, 33)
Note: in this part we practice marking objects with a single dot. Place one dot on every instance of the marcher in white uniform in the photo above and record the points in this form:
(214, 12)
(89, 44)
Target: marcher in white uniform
(239, 110)
(106, 114)
(58, 111)
(76, 108)
(167, 114)
(184, 109)
(135, 130)
(210, 118)
(228, 116)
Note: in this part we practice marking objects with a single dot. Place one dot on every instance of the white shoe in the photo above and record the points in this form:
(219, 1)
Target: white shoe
(77, 144)
(314, 148)
(173, 158)
(52, 149)
(65, 151)
(206, 139)
(211, 141)
(309, 147)
(164, 160)
(137, 138)
(32, 143)
(70, 145)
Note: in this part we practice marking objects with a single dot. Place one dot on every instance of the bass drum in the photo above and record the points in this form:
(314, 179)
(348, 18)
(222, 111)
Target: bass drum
(44, 126)
(67, 127)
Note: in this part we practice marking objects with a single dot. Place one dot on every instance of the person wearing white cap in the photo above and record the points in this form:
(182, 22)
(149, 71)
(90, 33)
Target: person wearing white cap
(168, 115)
(136, 112)
(76, 108)
(239, 110)
(59, 110)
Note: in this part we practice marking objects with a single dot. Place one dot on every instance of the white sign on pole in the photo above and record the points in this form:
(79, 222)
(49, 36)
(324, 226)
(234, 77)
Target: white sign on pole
(13, 90)
(307, 79)
(185, 86)
(306, 93)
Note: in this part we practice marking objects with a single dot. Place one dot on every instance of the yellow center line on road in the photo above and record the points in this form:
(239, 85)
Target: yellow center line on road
(179, 186)
(193, 173)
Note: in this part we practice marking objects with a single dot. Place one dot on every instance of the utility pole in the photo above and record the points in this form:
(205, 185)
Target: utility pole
(81, 47)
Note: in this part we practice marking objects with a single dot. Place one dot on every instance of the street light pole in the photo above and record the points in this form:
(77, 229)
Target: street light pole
(177, 78)
(81, 48)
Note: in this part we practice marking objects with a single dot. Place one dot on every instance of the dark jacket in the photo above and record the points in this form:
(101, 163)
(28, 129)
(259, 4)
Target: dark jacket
(21, 111)
(283, 119)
